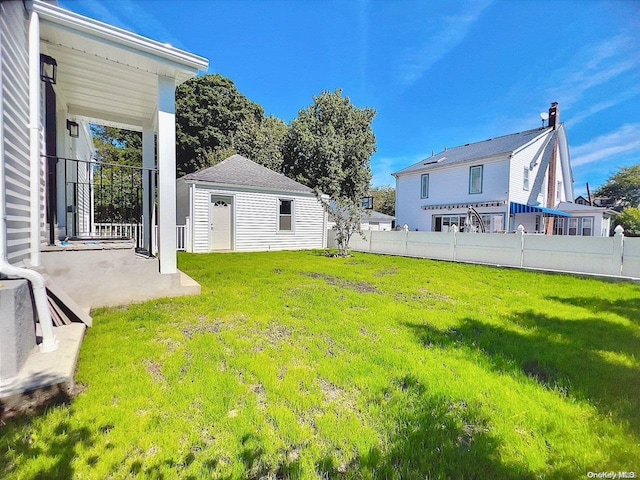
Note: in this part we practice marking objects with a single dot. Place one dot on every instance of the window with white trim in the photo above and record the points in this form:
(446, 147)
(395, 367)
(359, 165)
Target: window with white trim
(572, 226)
(586, 227)
(285, 215)
(559, 191)
(424, 186)
(475, 179)
(525, 179)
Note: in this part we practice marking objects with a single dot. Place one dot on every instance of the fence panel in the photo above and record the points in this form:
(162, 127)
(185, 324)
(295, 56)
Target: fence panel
(631, 261)
(388, 242)
(493, 248)
(436, 245)
(572, 254)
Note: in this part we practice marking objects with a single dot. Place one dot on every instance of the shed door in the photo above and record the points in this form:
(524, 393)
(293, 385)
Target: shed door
(220, 223)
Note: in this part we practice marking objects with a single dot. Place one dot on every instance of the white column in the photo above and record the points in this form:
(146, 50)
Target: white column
(34, 137)
(148, 183)
(167, 176)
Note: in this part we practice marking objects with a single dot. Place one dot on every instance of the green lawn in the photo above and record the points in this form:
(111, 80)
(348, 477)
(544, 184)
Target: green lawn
(295, 365)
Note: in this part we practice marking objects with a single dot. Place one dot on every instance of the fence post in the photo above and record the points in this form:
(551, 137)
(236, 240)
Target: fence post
(520, 233)
(618, 251)
(187, 234)
(454, 240)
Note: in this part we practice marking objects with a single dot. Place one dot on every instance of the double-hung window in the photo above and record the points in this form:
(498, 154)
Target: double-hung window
(587, 227)
(424, 186)
(525, 179)
(285, 215)
(475, 179)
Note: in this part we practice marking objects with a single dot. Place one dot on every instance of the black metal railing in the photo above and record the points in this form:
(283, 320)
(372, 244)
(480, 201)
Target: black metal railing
(100, 200)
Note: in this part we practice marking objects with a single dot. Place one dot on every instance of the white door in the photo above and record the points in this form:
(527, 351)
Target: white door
(220, 223)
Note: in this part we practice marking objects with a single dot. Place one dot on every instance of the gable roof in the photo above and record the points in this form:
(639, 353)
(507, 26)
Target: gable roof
(373, 216)
(242, 172)
(492, 147)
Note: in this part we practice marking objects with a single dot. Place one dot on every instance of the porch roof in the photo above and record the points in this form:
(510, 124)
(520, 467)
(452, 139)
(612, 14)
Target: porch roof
(106, 73)
(516, 208)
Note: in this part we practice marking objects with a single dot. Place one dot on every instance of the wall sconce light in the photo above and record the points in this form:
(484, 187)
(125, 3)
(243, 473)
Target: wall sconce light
(48, 69)
(74, 129)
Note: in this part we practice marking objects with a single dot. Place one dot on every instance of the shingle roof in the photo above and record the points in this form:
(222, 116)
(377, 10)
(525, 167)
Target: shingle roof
(240, 171)
(373, 216)
(504, 145)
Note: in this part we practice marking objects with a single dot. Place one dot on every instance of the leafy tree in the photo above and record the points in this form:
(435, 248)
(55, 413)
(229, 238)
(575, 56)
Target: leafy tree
(347, 215)
(629, 219)
(117, 145)
(623, 187)
(262, 141)
(384, 199)
(214, 120)
(329, 147)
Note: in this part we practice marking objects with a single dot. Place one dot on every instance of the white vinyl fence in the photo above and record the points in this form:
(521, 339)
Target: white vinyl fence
(617, 256)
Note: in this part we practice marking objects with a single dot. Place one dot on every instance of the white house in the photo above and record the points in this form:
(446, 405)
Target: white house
(495, 185)
(59, 72)
(238, 205)
(371, 220)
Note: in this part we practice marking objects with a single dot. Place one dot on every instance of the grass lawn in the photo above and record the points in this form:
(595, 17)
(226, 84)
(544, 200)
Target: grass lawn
(294, 365)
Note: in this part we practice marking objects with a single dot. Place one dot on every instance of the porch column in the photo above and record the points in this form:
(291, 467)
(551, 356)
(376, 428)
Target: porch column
(167, 175)
(34, 138)
(148, 185)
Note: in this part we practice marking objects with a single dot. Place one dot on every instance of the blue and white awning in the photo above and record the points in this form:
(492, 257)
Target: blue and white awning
(516, 208)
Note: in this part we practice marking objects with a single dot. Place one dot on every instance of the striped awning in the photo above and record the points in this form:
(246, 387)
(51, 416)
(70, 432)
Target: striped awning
(515, 208)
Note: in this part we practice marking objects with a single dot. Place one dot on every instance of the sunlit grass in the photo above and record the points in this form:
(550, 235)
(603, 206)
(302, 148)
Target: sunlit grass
(294, 365)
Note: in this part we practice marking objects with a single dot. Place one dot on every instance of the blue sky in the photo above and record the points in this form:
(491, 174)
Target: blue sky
(438, 73)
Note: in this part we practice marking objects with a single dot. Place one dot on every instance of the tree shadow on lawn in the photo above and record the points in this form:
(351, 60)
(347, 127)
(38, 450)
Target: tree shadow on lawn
(559, 354)
(61, 448)
(435, 437)
(625, 308)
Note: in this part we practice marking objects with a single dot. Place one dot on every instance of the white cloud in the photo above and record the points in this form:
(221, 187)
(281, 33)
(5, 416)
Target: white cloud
(624, 141)
(450, 32)
(592, 66)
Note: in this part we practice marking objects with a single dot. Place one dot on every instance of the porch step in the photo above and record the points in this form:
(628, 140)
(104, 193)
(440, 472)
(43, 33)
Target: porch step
(64, 309)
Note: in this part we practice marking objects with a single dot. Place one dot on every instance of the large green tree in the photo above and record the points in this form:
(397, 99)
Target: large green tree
(384, 199)
(629, 219)
(214, 120)
(329, 147)
(623, 187)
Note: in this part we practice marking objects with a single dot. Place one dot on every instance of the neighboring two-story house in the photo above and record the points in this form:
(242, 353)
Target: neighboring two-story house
(517, 179)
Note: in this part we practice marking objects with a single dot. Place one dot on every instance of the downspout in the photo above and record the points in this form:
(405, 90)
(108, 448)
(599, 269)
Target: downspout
(34, 136)
(49, 341)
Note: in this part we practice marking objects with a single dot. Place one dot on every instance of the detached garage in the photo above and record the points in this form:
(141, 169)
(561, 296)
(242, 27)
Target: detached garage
(238, 205)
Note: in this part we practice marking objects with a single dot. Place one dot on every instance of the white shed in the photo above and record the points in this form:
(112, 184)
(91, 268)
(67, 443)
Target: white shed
(238, 205)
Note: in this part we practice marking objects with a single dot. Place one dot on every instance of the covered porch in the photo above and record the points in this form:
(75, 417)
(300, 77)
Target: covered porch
(93, 73)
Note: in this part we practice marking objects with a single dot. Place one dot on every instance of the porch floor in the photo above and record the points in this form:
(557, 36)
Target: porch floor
(47, 373)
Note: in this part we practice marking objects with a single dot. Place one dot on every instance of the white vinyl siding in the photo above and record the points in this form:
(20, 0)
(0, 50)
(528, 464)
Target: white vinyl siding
(256, 217)
(14, 63)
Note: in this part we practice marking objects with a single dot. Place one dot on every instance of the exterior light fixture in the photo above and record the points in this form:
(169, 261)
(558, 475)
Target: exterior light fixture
(48, 69)
(74, 129)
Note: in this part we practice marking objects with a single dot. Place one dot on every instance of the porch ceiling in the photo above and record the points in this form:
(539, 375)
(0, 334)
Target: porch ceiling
(106, 74)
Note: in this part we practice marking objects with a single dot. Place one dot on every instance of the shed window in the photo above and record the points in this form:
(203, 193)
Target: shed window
(424, 186)
(475, 179)
(285, 215)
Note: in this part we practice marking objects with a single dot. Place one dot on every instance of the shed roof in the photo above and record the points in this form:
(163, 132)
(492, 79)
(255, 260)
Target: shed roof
(492, 147)
(240, 171)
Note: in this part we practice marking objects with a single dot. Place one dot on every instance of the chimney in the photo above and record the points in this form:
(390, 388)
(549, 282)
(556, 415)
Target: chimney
(554, 116)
